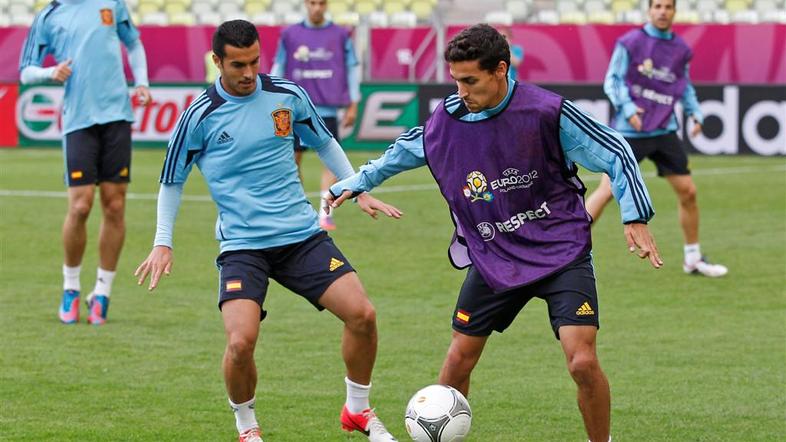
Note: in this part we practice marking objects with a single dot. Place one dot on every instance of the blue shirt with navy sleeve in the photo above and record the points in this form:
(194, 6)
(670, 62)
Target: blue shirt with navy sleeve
(615, 88)
(89, 33)
(584, 141)
(243, 145)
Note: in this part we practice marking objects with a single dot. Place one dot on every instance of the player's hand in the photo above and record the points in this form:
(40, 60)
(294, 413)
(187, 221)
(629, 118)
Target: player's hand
(639, 237)
(143, 95)
(350, 115)
(696, 129)
(157, 263)
(62, 71)
(371, 205)
(336, 202)
(635, 119)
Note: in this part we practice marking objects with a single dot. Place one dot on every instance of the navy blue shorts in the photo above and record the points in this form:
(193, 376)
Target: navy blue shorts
(307, 268)
(332, 125)
(570, 294)
(666, 151)
(98, 153)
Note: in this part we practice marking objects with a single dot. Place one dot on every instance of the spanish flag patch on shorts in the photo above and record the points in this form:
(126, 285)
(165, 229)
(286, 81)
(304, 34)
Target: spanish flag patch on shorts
(234, 285)
(462, 316)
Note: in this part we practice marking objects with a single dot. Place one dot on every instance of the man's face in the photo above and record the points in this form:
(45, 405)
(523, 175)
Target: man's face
(239, 69)
(661, 14)
(316, 11)
(478, 88)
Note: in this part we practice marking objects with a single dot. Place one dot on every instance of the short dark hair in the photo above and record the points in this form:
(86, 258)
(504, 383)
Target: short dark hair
(480, 42)
(237, 33)
(674, 3)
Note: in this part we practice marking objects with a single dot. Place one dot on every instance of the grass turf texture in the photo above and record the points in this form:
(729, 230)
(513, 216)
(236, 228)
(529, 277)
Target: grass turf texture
(688, 358)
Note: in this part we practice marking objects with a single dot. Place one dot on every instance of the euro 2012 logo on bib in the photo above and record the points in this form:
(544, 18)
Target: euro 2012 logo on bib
(476, 188)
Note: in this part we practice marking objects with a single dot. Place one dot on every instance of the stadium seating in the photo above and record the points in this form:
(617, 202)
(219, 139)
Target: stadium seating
(380, 13)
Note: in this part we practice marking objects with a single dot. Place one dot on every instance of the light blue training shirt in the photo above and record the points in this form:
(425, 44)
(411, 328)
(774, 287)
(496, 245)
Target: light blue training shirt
(615, 88)
(89, 33)
(243, 145)
(584, 140)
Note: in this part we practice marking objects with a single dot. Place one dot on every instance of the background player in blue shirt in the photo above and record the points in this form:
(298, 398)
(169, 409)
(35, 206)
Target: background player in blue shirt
(325, 53)
(660, 143)
(537, 164)
(240, 134)
(84, 37)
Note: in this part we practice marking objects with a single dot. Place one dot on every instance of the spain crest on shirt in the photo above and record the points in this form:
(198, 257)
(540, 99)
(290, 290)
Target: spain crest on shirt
(282, 120)
(107, 17)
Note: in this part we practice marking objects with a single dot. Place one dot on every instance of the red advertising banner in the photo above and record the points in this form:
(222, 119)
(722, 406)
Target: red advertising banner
(580, 53)
(723, 54)
(174, 53)
(8, 134)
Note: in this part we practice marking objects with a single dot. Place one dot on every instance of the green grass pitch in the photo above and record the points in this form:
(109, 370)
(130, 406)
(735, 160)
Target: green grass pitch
(688, 358)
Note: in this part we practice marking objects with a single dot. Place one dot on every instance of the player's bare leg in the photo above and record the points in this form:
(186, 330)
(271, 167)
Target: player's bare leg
(599, 198)
(241, 325)
(113, 226)
(346, 298)
(80, 202)
(594, 396)
(688, 207)
(463, 354)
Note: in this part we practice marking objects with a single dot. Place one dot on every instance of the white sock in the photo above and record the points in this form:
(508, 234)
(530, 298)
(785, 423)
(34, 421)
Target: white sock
(245, 419)
(104, 280)
(71, 277)
(357, 396)
(692, 254)
(324, 204)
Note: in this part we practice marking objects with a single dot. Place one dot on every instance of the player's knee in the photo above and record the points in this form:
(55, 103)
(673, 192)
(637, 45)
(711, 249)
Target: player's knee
(80, 209)
(688, 195)
(240, 348)
(364, 320)
(461, 360)
(114, 209)
(583, 366)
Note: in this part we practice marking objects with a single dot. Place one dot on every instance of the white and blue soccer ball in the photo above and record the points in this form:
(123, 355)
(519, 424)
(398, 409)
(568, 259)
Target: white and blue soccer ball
(438, 413)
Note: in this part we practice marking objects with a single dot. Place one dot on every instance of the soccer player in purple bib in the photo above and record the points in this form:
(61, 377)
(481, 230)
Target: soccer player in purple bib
(504, 156)
(319, 56)
(647, 75)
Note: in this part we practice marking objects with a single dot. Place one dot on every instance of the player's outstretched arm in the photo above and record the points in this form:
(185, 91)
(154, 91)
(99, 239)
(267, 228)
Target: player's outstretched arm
(639, 238)
(157, 263)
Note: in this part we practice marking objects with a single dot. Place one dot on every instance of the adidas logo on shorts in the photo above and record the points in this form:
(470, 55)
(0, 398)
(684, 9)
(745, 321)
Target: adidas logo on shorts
(585, 310)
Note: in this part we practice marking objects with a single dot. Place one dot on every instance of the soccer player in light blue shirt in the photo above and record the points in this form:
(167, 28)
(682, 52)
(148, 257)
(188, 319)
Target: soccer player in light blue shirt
(316, 20)
(661, 144)
(240, 134)
(84, 36)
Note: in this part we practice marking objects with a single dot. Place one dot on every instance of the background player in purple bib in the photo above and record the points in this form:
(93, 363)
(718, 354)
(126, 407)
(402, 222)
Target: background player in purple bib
(319, 56)
(647, 76)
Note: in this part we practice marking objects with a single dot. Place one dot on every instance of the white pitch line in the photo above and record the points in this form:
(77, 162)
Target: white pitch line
(387, 189)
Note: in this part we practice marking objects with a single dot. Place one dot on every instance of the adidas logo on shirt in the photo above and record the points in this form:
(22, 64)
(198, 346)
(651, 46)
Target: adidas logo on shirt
(585, 310)
(224, 138)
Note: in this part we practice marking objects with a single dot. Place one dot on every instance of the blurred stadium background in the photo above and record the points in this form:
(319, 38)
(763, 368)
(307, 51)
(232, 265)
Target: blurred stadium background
(689, 359)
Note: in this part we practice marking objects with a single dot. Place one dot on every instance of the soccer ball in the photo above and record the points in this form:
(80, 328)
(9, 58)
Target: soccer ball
(438, 413)
(476, 182)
